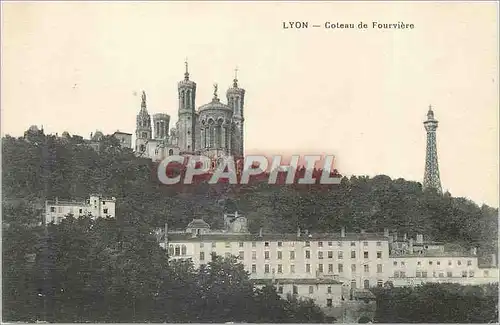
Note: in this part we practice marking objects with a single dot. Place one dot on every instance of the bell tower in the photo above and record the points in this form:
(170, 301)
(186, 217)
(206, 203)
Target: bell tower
(143, 131)
(236, 99)
(187, 115)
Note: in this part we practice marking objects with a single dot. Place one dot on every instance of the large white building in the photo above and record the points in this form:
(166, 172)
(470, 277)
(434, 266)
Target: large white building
(330, 268)
(95, 206)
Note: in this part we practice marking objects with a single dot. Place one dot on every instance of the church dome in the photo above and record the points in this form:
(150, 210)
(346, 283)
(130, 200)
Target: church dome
(98, 135)
(215, 104)
(198, 223)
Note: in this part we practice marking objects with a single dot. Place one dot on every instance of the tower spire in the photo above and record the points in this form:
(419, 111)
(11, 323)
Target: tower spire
(143, 100)
(431, 174)
(186, 74)
(235, 80)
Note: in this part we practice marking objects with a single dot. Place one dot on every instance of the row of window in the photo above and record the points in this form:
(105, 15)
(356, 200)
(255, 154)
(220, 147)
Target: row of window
(279, 255)
(307, 244)
(321, 268)
(402, 263)
(424, 274)
(60, 210)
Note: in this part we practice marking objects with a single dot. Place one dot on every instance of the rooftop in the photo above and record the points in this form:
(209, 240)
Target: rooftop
(309, 281)
(433, 254)
(274, 237)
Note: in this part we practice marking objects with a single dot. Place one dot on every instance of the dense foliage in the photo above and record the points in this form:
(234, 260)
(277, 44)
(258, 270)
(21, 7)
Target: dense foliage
(49, 167)
(103, 271)
(438, 303)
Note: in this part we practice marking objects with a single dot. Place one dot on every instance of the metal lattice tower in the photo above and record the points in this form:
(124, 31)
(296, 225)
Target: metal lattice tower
(431, 174)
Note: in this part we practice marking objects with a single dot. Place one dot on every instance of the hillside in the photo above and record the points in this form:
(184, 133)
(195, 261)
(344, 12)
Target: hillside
(49, 167)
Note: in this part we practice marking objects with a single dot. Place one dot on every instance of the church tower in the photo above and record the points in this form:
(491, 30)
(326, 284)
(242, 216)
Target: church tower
(187, 115)
(143, 130)
(236, 99)
(431, 174)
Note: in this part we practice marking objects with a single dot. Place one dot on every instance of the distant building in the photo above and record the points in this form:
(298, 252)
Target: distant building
(124, 138)
(96, 206)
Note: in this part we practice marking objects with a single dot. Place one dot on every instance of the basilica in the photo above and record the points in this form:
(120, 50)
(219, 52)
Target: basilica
(214, 129)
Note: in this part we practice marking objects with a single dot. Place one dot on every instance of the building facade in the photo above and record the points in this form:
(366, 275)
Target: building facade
(331, 268)
(95, 206)
(214, 129)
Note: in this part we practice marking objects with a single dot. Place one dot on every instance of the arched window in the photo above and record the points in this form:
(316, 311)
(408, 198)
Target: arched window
(366, 284)
(143, 147)
(177, 250)
(184, 250)
(171, 152)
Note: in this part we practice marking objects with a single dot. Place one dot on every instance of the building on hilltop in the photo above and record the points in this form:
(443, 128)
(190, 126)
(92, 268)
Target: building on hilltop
(96, 206)
(124, 138)
(214, 129)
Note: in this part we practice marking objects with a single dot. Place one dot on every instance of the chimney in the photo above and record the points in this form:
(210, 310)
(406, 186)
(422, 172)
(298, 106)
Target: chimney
(493, 260)
(410, 246)
(260, 232)
(298, 231)
(420, 239)
(57, 200)
(342, 232)
(386, 232)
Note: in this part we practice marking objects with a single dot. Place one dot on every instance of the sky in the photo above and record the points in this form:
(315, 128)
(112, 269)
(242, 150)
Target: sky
(359, 94)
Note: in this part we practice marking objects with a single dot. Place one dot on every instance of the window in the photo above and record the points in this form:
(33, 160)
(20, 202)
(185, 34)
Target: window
(424, 274)
(379, 268)
(379, 243)
(330, 268)
(366, 268)
(365, 254)
(280, 244)
(254, 268)
(266, 268)
(353, 267)
(227, 244)
(464, 274)
(320, 244)
(449, 274)
(353, 243)
(311, 289)
(254, 255)
(330, 254)
(308, 254)
(214, 244)
(366, 284)
(292, 255)
(280, 255)
(308, 268)
(469, 263)
(320, 268)
(339, 243)
(280, 289)
(81, 210)
(266, 255)
(202, 256)
(438, 263)
(402, 263)
(459, 262)
(103, 202)
(60, 210)
(201, 245)
(365, 243)
(340, 255)
(486, 273)
(308, 244)
(266, 244)
(379, 254)
(52, 209)
(396, 274)
(292, 268)
(320, 255)
(280, 268)
(403, 274)
(328, 302)
(441, 274)
(241, 254)
(419, 263)
(353, 254)
(329, 289)
(330, 243)
(105, 210)
(295, 290)
(183, 249)
(380, 283)
(418, 274)
(254, 244)
(341, 268)
(240, 244)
